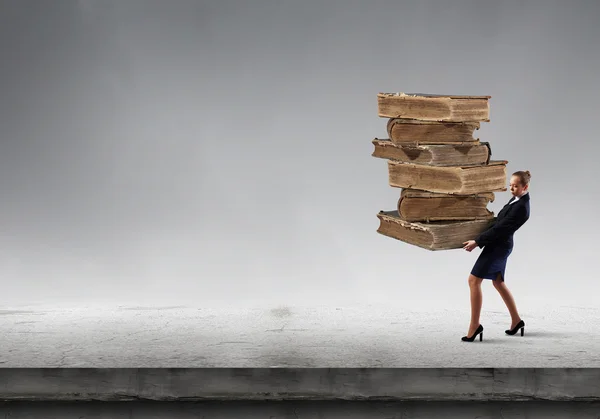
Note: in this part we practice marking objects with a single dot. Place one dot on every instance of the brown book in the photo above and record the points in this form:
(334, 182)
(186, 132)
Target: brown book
(461, 180)
(415, 205)
(437, 235)
(430, 107)
(477, 153)
(402, 131)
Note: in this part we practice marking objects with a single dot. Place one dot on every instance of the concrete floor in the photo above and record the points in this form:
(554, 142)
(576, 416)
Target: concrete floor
(335, 337)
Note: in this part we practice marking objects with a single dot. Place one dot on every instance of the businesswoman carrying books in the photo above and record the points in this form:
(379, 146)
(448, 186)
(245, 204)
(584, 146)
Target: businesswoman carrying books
(497, 243)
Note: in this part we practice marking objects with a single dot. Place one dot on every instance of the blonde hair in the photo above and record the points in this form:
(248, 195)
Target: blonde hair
(524, 176)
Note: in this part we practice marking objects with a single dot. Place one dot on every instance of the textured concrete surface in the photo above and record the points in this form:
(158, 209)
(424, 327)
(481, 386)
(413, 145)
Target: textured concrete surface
(260, 384)
(343, 337)
(303, 410)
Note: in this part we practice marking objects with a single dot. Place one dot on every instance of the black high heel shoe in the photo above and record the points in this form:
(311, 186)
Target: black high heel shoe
(479, 332)
(520, 325)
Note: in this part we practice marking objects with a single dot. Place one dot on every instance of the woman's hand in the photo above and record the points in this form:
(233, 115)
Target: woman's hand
(469, 245)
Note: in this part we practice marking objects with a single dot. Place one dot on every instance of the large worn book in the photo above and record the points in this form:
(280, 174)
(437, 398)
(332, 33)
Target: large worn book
(432, 107)
(460, 180)
(437, 235)
(415, 205)
(402, 131)
(476, 153)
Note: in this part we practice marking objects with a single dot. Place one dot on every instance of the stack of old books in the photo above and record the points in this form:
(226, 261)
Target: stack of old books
(446, 175)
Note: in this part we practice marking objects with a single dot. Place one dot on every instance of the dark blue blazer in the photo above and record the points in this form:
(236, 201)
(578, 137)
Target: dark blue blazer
(509, 219)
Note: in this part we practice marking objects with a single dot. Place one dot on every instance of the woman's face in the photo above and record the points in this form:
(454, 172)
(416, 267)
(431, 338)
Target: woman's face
(515, 186)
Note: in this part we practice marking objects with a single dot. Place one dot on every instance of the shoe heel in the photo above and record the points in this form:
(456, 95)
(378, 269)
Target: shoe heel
(519, 326)
(479, 332)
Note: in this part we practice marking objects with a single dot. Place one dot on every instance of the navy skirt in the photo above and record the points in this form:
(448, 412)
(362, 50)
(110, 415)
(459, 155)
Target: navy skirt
(491, 261)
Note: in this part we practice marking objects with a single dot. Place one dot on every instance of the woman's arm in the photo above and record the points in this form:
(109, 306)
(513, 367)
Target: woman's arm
(503, 228)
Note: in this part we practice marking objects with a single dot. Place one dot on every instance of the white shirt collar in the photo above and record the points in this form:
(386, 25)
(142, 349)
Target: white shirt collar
(518, 197)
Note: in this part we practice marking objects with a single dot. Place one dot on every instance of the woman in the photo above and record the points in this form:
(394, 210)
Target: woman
(497, 243)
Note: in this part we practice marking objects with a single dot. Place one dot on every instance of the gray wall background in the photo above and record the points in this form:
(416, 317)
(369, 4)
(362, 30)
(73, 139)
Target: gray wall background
(220, 152)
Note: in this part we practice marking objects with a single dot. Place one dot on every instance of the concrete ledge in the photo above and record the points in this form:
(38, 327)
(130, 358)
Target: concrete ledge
(355, 336)
(393, 384)
(306, 409)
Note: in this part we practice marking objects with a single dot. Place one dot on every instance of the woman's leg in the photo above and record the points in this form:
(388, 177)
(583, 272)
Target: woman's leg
(476, 302)
(508, 300)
